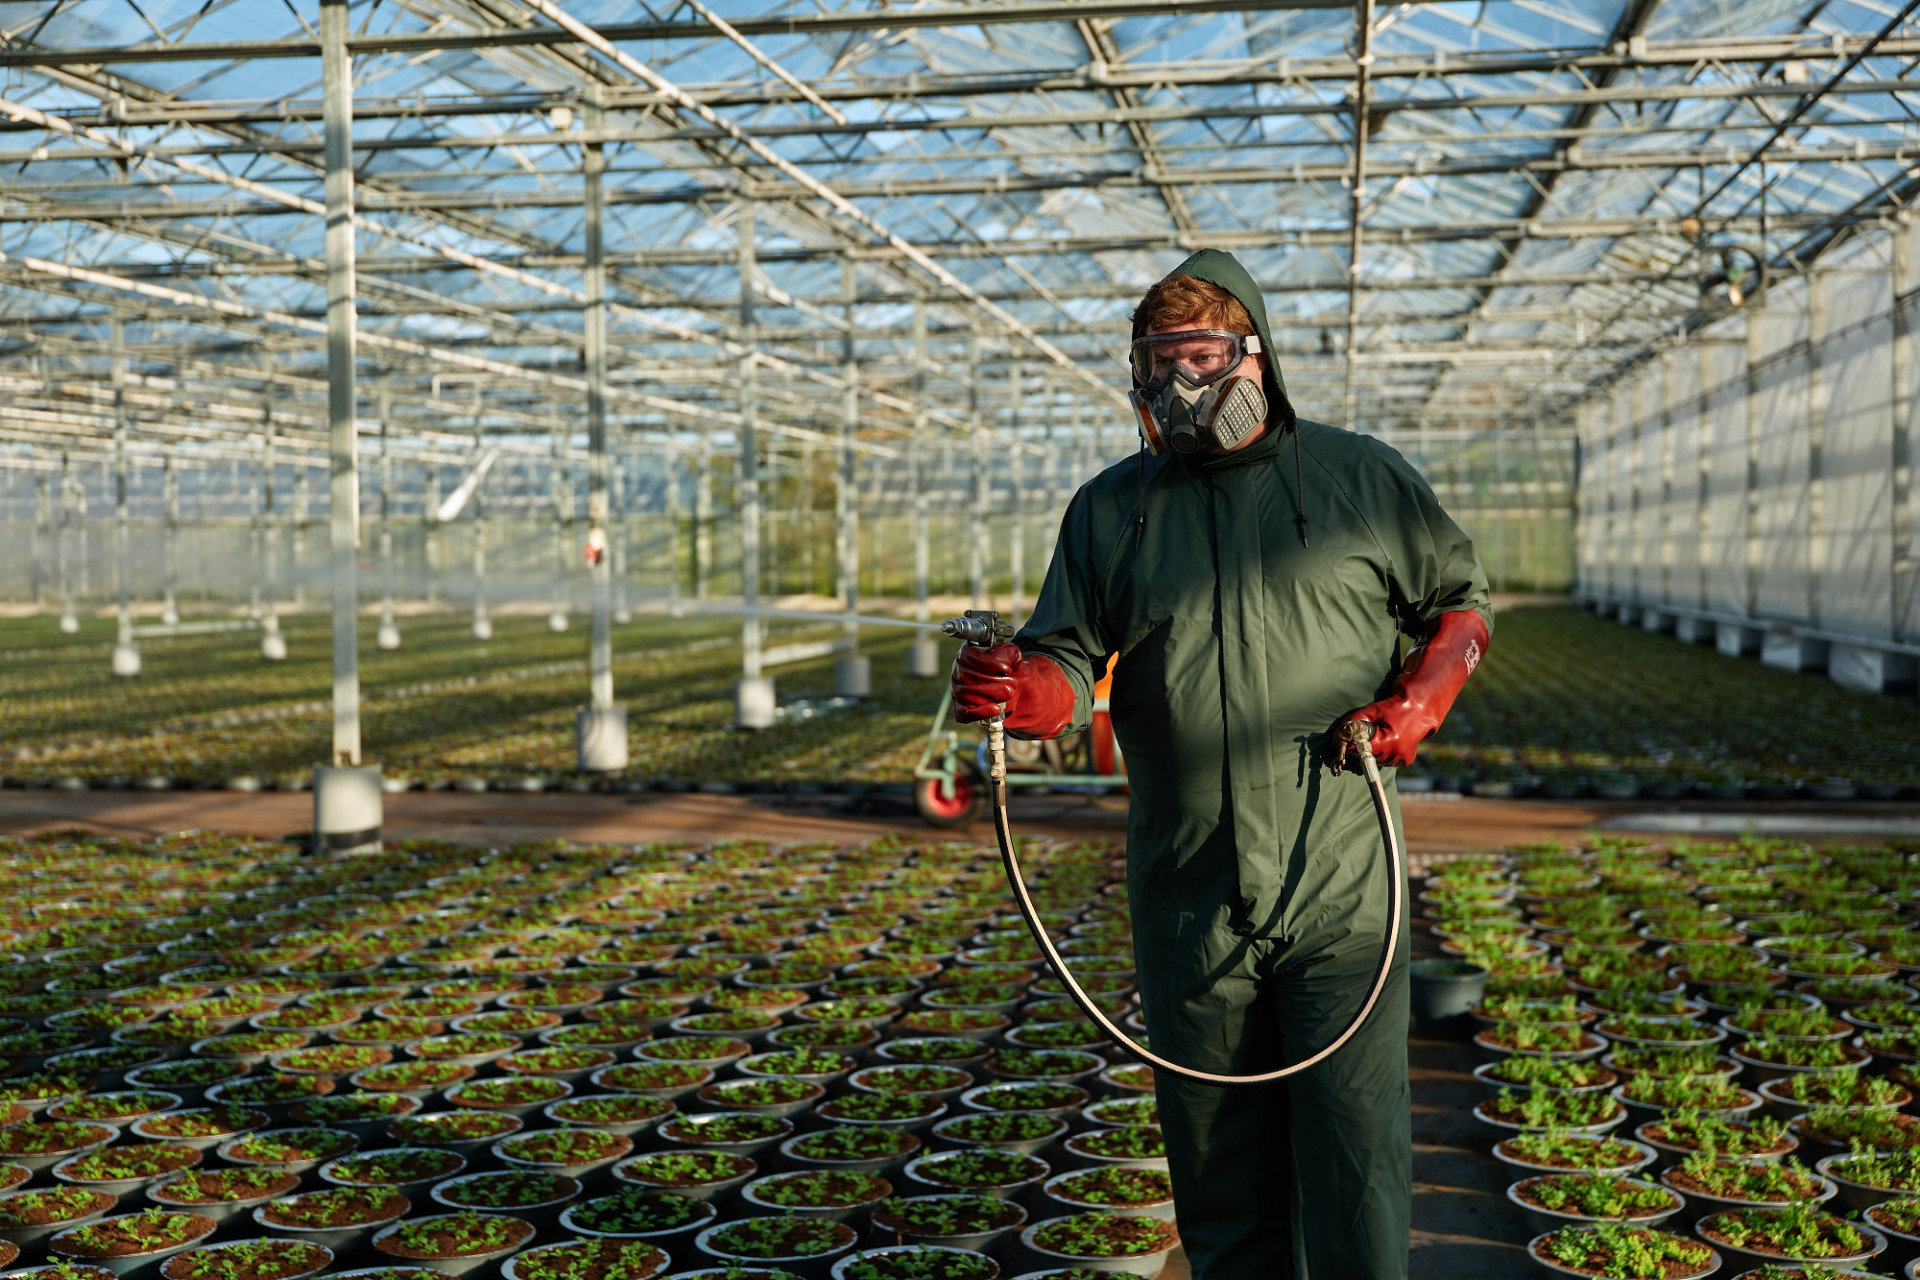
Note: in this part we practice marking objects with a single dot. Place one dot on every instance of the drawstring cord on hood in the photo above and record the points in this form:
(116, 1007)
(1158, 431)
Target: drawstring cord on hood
(1299, 484)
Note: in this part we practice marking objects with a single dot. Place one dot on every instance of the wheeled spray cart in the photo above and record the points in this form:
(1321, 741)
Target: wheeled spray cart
(950, 781)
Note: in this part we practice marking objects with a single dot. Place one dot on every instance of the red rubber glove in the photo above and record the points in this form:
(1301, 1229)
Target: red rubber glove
(1435, 672)
(1029, 689)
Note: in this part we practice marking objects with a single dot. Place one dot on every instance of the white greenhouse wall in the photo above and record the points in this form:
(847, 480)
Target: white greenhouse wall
(1756, 487)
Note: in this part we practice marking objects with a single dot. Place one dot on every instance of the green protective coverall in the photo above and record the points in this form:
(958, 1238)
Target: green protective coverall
(1258, 882)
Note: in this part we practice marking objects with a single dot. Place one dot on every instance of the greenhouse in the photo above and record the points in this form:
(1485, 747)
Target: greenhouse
(970, 640)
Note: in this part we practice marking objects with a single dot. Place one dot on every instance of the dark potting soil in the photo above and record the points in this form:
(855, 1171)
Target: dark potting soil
(922, 1264)
(52, 1205)
(451, 1236)
(951, 1216)
(254, 1260)
(824, 1189)
(346, 1207)
(593, 1260)
(1600, 1259)
(135, 1234)
(781, 1237)
(222, 1185)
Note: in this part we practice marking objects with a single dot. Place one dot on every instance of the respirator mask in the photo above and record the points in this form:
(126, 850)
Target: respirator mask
(1187, 394)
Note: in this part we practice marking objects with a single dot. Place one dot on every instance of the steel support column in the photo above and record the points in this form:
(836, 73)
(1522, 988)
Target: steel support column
(600, 729)
(981, 492)
(754, 704)
(126, 654)
(346, 796)
(852, 677)
(388, 634)
(169, 535)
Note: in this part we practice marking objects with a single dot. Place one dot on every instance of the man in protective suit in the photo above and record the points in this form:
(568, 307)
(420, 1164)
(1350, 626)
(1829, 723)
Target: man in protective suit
(1262, 579)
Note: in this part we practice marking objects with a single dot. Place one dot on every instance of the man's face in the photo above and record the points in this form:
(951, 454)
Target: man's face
(1206, 359)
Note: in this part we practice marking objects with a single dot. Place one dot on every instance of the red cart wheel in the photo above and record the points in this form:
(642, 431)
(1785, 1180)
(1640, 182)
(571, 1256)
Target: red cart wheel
(966, 805)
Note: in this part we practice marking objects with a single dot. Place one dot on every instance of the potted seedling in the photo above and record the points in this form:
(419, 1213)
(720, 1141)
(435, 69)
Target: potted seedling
(582, 1259)
(1679, 1134)
(120, 1171)
(536, 1195)
(1826, 1130)
(981, 1170)
(249, 1260)
(399, 1168)
(817, 1193)
(805, 1246)
(972, 1222)
(1709, 1095)
(39, 1145)
(1120, 1147)
(1026, 1132)
(509, 1095)
(1558, 1074)
(621, 1113)
(851, 1149)
(1619, 1251)
(1573, 1112)
(362, 1114)
(1792, 1233)
(1708, 1182)
(700, 1175)
(1846, 1087)
(131, 1244)
(461, 1131)
(454, 1243)
(1554, 1200)
(924, 1080)
(294, 1150)
(117, 1109)
(741, 1132)
(222, 1193)
(765, 1095)
(1867, 1178)
(915, 1262)
(30, 1217)
(1097, 1241)
(577, 1153)
(1128, 1192)
(669, 1080)
(632, 1213)
(893, 1111)
(1060, 1100)
(342, 1219)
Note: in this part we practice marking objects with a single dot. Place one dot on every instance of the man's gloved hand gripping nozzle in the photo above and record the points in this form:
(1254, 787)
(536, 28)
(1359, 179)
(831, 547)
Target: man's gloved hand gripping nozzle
(1030, 690)
(1431, 678)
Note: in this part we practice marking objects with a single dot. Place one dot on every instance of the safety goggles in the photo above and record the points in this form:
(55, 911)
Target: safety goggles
(1206, 355)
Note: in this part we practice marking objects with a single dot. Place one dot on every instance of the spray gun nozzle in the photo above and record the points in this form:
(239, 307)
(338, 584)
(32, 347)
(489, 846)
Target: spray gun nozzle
(980, 628)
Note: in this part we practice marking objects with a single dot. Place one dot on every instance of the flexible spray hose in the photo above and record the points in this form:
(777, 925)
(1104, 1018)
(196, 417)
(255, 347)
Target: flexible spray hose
(1357, 735)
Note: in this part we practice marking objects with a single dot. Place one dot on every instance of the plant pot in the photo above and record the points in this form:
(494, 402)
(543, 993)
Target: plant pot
(1059, 1189)
(1856, 1196)
(1536, 1248)
(318, 1260)
(28, 1237)
(633, 1172)
(886, 1221)
(811, 1266)
(581, 1252)
(344, 1240)
(578, 1219)
(221, 1210)
(143, 1264)
(543, 1214)
(842, 1270)
(385, 1244)
(1442, 991)
(1542, 1221)
(1143, 1264)
(1877, 1244)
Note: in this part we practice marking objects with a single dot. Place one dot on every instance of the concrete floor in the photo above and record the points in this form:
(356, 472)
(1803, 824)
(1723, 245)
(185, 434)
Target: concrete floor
(1464, 1228)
